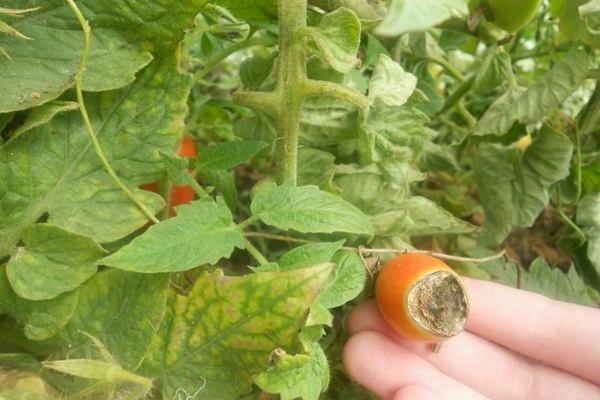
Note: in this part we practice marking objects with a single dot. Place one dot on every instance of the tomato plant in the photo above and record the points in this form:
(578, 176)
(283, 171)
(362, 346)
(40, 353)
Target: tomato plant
(334, 135)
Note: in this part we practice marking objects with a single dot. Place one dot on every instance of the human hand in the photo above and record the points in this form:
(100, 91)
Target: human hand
(517, 345)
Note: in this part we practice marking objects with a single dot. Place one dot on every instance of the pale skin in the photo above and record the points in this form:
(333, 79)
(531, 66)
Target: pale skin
(516, 346)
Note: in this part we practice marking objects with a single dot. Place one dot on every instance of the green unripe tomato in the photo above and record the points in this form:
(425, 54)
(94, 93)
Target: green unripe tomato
(512, 15)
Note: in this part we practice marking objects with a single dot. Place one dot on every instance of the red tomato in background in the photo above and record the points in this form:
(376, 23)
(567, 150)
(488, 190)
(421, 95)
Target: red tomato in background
(179, 194)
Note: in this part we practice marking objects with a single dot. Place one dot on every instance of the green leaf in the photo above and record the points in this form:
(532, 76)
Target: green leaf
(123, 310)
(301, 376)
(348, 281)
(315, 167)
(219, 336)
(224, 183)
(418, 15)
(590, 177)
(542, 279)
(307, 209)
(588, 217)
(52, 262)
(5, 120)
(418, 216)
(227, 155)
(308, 255)
(514, 187)
(257, 11)
(202, 233)
(55, 170)
(572, 24)
(255, 70)
(531, 105)
(337, 38)
(42, 319)
(493, 72)
(122, 33)
(390, 84)
(41, 115)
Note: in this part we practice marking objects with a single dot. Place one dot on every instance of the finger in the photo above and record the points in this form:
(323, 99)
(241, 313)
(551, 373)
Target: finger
(486, 367)
(414, 392)
(560, 334)
(384, 367)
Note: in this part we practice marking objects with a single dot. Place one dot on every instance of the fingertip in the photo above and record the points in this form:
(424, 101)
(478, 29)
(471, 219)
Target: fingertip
(362, 356)
(363, 317)
(415, 392)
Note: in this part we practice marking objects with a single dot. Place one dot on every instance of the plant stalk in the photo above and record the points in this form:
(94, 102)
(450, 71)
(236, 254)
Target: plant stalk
(291, 74)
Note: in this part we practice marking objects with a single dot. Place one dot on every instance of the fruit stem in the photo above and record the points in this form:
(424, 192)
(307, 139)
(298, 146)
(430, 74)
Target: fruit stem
(363, 250)
(254, 252)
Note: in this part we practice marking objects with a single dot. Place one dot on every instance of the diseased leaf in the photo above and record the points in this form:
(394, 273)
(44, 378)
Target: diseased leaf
(514, 187)
(418, 15)
(390, 84)
(122, 33)
(392, 132)
(337, 37)
(42, 319)
(123, 310)
(493, 72)
(221, 335)
(201, 233)
(307, 209)
(326, 121)
(417, 216)
(41, 115)
(54, 169)
(300, 376)
(315, 167)
(380, 189)
(52, 262)
(531, 105)
(542, 279)
(96, 207)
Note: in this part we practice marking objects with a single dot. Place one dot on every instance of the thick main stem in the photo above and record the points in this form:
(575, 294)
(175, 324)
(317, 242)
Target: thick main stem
(291, 73)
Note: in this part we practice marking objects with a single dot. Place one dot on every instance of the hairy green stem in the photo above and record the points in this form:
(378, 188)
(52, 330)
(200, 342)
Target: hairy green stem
(455, 73)
(465, 114)
(85, 26)
(322, 88)
(458, 94)
(580, 234)
(291, 73)
(284, 104)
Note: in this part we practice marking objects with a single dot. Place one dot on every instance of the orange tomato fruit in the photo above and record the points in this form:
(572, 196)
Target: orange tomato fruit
(421, 298)
(179, 194)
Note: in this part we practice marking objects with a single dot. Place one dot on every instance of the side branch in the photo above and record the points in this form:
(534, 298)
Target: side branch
(312, 87)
